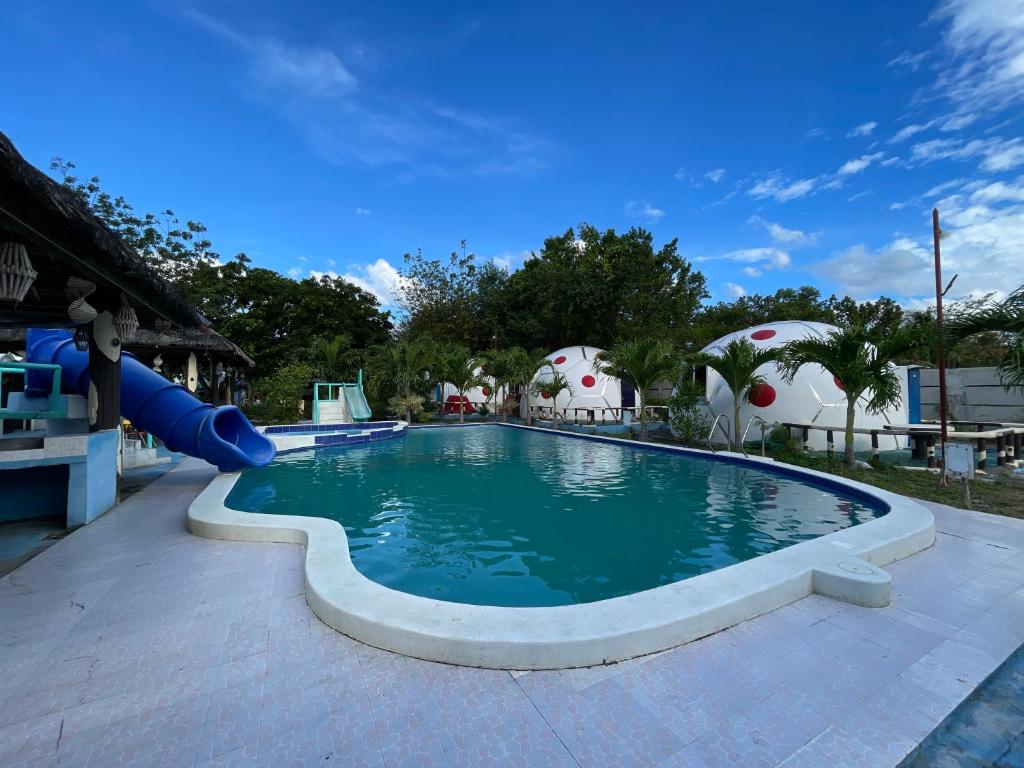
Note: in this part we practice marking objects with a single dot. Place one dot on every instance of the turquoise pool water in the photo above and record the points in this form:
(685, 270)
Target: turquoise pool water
(499, 516)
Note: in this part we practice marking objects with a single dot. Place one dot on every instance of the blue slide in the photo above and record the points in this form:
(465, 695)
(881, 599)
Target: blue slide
(221, 435)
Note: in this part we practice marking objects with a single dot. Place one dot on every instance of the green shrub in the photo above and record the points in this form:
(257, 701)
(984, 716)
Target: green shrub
(689, 422)
(279, 394)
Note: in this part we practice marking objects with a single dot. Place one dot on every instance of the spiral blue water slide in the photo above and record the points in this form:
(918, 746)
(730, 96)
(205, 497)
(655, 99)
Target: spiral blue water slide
(221, 435)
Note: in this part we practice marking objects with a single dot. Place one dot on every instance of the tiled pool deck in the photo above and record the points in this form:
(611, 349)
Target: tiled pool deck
(131, 642)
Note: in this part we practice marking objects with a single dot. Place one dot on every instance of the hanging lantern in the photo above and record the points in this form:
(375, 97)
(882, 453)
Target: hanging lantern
(81, 338)
(77, 290)
(16, 273)
(126, 323)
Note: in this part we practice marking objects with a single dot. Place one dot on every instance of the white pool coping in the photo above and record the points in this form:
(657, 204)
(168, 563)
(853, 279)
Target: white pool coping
(844, 565)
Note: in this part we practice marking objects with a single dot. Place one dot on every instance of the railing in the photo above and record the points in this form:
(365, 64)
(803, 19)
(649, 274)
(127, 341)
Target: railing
(764, 427)
(719, 418)
(53, 409)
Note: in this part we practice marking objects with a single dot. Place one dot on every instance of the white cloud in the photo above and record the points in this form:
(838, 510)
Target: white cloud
(858, 164)
(985, 41)
(907, 131)
(315, 72)
(681, 174)
(859, 195)
(938, 189)
(781, 234)
(908, 60)
(864, 129)
(295, 272)
(816, 133)
(641, 209)
(331, 262)
(983, 243)
(997, 154)
(510, 260)
(346, 120)
(362, 211)
(759, 259)
(715, 175)
(735, 290)
(379, 278)
(781, 189)
(889, 161)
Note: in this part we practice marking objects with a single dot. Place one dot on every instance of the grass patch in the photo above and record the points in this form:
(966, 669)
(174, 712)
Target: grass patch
(999, 493)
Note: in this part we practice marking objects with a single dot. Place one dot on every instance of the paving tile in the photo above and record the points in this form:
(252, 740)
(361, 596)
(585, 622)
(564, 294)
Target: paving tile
(228, 666)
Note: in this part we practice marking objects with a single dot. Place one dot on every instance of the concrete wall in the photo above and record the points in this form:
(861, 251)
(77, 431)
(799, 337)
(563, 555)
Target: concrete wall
(972, 394)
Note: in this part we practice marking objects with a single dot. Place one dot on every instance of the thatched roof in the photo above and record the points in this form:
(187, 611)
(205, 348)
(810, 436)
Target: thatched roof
(146, 344)
(65, 238)
(188, 341)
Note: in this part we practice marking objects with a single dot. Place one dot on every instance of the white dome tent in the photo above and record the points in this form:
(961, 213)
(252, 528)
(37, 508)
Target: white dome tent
(590, 388)
(477, 396)
(814, 397)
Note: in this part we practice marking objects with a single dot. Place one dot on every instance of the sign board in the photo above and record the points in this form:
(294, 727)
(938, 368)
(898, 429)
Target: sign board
(960, 460)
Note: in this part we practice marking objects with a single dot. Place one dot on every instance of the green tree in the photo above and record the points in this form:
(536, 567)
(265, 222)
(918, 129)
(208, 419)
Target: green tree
(524, 366)
(401, 369)
(643, 363)
(864, 370)
(458, 367)
(333, 358)
(500, 366)
(1003, 320)
(737, 363)
(551, 386)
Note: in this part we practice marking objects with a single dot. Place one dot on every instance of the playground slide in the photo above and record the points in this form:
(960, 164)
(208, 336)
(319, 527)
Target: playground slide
(358, 408)
(220, 435)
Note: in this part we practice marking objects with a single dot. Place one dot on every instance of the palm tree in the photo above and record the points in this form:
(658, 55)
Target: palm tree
(1006, 317)
(863, 370)
(333, 357)
(737, 364)
(524, 366)
(643, 363)
(400, 368)
(552, 387)
(458, 367)
(501, 368)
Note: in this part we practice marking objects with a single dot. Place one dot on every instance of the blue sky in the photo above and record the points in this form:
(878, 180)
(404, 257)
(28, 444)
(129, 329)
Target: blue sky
(783, 143)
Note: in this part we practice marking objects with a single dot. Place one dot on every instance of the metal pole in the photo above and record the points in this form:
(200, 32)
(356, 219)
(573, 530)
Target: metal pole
(937, 235)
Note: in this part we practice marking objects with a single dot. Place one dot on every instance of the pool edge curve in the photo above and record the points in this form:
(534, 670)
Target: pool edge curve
(845, 564)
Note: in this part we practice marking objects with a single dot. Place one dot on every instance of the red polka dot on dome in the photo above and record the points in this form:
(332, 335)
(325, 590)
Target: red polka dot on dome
(838, 383)
(763, 334)
(559, 360)
(546, 395)
(762, 395)
(487, 391)
(588, 381)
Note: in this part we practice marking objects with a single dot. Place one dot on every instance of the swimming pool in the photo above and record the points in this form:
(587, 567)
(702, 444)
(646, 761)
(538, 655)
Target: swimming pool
(587, 523)
(508, 517)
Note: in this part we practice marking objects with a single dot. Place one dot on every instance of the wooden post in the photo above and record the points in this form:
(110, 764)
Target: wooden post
(1001, 450)
(829, 444)
(212, 384)
(874, 445)
(104, 374)
(932, 461)
(982, 453)
(807, 439)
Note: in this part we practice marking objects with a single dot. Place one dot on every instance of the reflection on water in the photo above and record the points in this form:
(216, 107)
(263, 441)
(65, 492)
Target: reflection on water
(496, 516)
